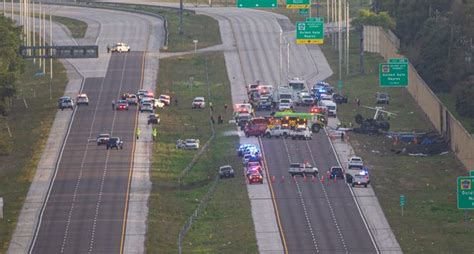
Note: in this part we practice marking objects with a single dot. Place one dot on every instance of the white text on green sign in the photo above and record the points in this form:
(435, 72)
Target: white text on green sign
(465, 192)
(393, 74)
(256, 3)
(310, 32)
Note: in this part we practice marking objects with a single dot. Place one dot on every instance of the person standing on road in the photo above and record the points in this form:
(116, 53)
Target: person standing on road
(342, 136)
(154, 133)
(113, 104)
(138, 133)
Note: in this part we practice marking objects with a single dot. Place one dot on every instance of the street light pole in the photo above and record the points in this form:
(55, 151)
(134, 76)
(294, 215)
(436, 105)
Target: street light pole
(339, 23)
(180, 17)
(281, 57)
(288, 59)
(51, 58)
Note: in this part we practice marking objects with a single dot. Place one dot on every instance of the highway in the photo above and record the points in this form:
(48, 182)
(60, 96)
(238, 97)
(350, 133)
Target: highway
(85, 209)
(314, 217)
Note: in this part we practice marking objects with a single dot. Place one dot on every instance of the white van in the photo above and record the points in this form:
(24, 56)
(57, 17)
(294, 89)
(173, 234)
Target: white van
(331, 107)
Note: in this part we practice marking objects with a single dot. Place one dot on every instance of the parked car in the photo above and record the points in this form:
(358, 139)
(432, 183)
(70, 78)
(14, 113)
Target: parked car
(382, 98)
(255, 178)
(65, 102)
(188, 144)
(153, 119)
(356, 161)
(199, 102)
(120, 47)
(166, 99)
(103, 138)
(336, 172)
(132, 99)
(146, 107)
(226, 172)
(114, 142)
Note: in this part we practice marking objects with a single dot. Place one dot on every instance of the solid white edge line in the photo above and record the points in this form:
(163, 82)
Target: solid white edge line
(353, 195)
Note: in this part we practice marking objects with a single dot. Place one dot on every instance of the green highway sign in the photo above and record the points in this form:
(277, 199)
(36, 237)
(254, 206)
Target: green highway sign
(471, 173)
(465, 192)
(257, 3)
(398, 60)
(402, 200)
(393, 74)
(304, 12)
(310, 32)
(297, 4)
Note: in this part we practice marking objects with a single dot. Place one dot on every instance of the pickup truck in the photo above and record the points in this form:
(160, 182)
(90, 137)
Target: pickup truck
(355, 162)
(303, 169)
(301, 133)
(358, 177)
(277, 131)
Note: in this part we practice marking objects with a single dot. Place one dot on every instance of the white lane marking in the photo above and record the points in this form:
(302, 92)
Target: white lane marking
(78, 182)
(331, 210)
(99, 200)
(353, 194)
(308, 222)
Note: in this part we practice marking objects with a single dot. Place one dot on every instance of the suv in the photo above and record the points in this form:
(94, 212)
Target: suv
(382, 98)
(103, 138)
(303, 169)
(301, 132)
(153, 119)
(65, 102)
(277, 131)
(122, 105)
(355, 161)
(199, 102)
(336, 172)
(82, 99)
(120, 47)
(114, 142)
(146, 107)
(226, 172)
(166, 99)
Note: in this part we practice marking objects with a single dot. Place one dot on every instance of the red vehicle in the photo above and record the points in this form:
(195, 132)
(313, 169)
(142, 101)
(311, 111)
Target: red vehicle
(255, 129)
(255, 178)
(254, 168)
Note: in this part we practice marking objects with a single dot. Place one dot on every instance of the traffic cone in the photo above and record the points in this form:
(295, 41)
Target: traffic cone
(335, 179)
(322, 179)
(282, 179)
(273, 179)
(294, 179)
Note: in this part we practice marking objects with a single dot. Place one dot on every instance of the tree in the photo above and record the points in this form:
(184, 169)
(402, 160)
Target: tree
(10, 61)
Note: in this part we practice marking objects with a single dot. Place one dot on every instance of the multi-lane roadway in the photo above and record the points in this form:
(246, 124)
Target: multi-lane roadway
(85, 210)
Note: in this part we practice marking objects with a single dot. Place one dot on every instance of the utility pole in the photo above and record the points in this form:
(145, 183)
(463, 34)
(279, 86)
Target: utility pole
(181, 17)
(339, 35)
(288, 59)
(348, 26)
(4, 8)
(34, 30)
(327, 11)
(281, 54)
(44, 41)
(40, 42)
(12, 9)
(50, 57)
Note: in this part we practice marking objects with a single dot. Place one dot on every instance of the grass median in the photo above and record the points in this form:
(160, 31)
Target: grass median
(431, 222)
(29, 122)
(226, 225)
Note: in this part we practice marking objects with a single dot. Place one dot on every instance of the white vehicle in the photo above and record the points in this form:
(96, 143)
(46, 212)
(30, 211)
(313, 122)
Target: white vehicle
(303, 169)
(146, 107)
(265, 90)
(166, 99)
(277, 131)
(82, 99)
(243, 108)
(356, 161)
(132, 99)
(253, 87)
(120, 47)
(305, 99)
(301, 132)
(283, 92)
(297, 84)
(285, 104)
(199, 102)
(325, 97)
(187, 144)
(331, 107)
(142, 93)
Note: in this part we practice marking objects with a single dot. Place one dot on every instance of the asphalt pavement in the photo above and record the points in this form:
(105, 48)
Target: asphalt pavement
(84, 212)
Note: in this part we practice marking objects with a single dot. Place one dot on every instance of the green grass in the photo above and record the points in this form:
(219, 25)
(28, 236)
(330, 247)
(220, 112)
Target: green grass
(226, 226)
(449, 100)
(77, 28)
(431, 222)
(195, 27)
(30, 129)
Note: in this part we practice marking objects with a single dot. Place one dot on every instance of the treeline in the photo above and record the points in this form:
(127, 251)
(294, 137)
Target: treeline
(10, 61)
(438, 38)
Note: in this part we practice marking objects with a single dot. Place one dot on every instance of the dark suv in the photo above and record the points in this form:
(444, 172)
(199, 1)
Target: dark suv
(114, 142)
(226, 172)
(336, 172)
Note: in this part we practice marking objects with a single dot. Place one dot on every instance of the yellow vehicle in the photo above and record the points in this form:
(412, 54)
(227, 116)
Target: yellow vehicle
(291, 119)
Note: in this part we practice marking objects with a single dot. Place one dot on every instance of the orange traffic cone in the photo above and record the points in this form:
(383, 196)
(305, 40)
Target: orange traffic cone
(322, 179)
